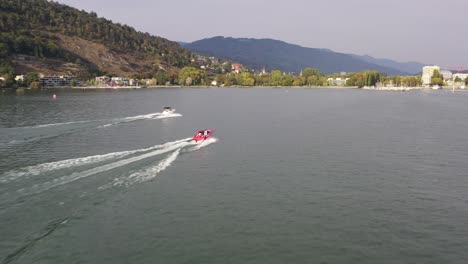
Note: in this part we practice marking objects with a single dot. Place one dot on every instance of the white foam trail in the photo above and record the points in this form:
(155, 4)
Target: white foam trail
(55, 124)
(114, 121)
(80, 175)
(139, 117)
(147, 174)
(69, 163)
(61, 124)
(150, 173)
(203, 144)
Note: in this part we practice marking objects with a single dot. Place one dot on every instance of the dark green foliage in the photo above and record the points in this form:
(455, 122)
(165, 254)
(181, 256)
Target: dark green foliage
(30, 78)
(437, 78)
(161, 78)
(361, 79)
(192, 76)
(25, 28)
(7, 72)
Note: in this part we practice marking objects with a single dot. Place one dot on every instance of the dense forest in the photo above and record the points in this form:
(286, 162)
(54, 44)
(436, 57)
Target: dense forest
(32, 27)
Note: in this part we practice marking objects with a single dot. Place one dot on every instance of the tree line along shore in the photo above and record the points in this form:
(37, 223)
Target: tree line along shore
(196, 77)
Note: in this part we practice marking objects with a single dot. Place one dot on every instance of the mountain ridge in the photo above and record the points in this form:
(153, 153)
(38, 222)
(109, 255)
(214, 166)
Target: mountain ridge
(412, 67)
(280, 55)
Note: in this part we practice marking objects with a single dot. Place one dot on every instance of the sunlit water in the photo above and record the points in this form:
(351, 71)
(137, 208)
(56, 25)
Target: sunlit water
(290, 176)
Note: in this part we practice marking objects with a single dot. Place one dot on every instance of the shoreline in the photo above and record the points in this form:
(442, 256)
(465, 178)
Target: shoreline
(210, 87)
(385, 89)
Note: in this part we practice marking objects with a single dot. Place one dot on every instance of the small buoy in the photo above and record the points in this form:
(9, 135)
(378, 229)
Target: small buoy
(54, 96)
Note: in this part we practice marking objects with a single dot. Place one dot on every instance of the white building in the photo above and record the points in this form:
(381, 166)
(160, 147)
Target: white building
(19, 78)
(120, 81)
(428, 72)
(337, 81)
(101, 80)
(133, 82)
(56, 81)
(447, 75)
(461, 76)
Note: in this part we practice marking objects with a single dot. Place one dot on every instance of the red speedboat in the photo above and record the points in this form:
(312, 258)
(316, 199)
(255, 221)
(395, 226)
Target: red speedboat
(202, 135)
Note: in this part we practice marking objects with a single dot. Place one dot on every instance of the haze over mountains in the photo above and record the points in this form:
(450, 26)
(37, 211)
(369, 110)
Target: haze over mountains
(275, 54)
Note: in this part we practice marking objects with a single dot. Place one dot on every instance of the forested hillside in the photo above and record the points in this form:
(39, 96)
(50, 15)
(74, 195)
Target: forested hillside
(48, 36)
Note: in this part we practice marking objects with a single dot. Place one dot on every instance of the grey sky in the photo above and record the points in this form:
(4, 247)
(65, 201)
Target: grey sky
(428, 31)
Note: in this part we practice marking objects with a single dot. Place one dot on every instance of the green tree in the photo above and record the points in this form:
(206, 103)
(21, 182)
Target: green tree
(30, 77)
(310, 72)
(372, 78)
(161, 78)
(437, 81)
(298, 81)
(276, 78)
(312, 80)
(312, 76)
(192, 76)
(396, 80)
(323, 81)
(437, 78)
(246, 79)
(287, 80)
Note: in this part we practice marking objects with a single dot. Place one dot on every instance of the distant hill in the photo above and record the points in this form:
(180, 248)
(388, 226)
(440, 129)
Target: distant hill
(279, 55)
(409, 67)
(48, 37)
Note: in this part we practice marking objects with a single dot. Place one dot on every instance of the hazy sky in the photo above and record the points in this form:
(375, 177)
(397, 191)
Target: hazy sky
(428, 31)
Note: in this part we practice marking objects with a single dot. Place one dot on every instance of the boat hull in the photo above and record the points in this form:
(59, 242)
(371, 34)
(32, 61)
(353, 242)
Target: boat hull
(201, 136)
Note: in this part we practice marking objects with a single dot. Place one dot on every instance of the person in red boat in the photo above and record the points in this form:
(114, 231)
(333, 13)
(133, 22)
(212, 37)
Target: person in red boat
(202, 135)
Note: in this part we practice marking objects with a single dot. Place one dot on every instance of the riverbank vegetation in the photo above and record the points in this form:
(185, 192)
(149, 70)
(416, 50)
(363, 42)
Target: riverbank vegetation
(194, 76)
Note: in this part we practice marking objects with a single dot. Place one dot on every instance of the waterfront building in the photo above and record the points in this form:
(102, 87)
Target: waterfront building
(120, 81)
(461, 76)
(337, 81)
(58, 81)
(102, 80)
(447, 75)
(133, 82)
(236, 67)
(428, 72)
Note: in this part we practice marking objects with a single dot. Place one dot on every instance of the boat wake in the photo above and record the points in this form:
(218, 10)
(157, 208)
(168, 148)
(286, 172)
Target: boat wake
(153, 116)
(41, 132)
(152, 171)
(71, 163)
(89, 166)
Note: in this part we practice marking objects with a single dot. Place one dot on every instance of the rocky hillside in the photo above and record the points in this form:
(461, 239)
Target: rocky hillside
(48, 37)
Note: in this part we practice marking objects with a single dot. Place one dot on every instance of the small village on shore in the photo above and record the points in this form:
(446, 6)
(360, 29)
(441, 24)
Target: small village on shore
(211, 72)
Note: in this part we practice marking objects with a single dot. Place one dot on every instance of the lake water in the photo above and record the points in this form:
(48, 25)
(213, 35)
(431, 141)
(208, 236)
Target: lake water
(291, 176)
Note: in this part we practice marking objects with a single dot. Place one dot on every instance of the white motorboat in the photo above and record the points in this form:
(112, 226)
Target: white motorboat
(168, 110)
